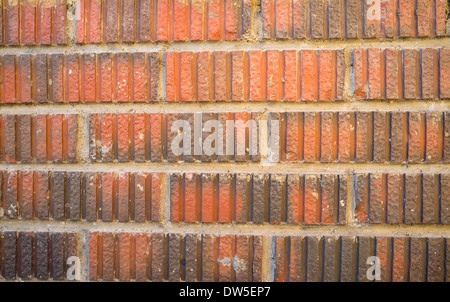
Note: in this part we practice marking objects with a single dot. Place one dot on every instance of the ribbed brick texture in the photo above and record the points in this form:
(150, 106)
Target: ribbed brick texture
(363, 137)
(38, 138)
(343, 258)
(224, 140)
(36, 255)
(90, 196)
(258, 198)
(29, 22)
(165, 20)
(174, 257)
(352, 19)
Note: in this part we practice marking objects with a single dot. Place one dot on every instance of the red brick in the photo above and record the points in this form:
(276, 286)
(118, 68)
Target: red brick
(394, 82)
(354, 19)
(310, 75)
(444, 63)
(292, 78)
(364, 136)
(413, 198)
(441, 7)
(311, 138)
(400, 262)
(416, 137)
(407, 18)
(312, 200)
(389, 18)
(435, 259)
(411, 71)
(361, 85)
(395, 198)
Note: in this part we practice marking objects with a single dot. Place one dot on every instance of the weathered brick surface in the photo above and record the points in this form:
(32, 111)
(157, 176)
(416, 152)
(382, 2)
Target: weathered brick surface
(273, 75)
(36, 255)
(67, 78)
(75, 196)
(396, 198)
(38, 138)
(33, 22)
(174, 257)
(352, 19)
(177, 140)
(112, 139)
(379, 137)
(400, 73)
(343, 258)
(116, 21)
(259, 198)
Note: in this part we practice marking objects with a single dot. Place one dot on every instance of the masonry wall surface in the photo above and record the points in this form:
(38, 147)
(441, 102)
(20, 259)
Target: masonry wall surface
(90, 91)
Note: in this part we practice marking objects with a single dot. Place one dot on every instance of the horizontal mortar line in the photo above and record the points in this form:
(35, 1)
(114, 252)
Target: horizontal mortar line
(232, 167)
(227, 45)
(229, 228)
(249, 106)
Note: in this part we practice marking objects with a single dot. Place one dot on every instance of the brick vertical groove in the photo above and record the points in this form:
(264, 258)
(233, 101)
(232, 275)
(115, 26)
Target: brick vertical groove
(91, 92)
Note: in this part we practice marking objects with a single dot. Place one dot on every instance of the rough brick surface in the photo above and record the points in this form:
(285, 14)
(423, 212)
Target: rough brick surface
(274, 198)
(36, 255)
(255, 75)
(75, 196)
(167, 20)
(224, 140)
(379, 137)
(38, 138)
(401, 198)
(174, 257)
(33, 22)
(343, 258)
(352, 19)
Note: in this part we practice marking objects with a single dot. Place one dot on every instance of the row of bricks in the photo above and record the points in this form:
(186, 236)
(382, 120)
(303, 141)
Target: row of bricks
(208, 257)
(175, 257)
(88, 196)
(38, 138)
(28, 22)
(150, 137)
(402, 198)
(401, 73)
(341, 19)
(272, 75)
(307, 75)
(57, 78)
(162, 20)
(345, 258)
(258, 198)
(381, 137)
(36, 255)
(310, 199)
(397, 137)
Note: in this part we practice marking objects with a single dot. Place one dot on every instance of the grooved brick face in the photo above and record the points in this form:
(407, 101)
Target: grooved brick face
(352, 19)
(36, 255)
(157, 137)
(272, 75)
(48, 138)
(343, 258)
(102, 21)
(174, 257)
(75, 196)
(259, 198)
(33, 22)
(224, 140)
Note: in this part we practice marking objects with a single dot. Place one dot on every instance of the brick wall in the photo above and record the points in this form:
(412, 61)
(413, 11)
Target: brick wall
(90, 91)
